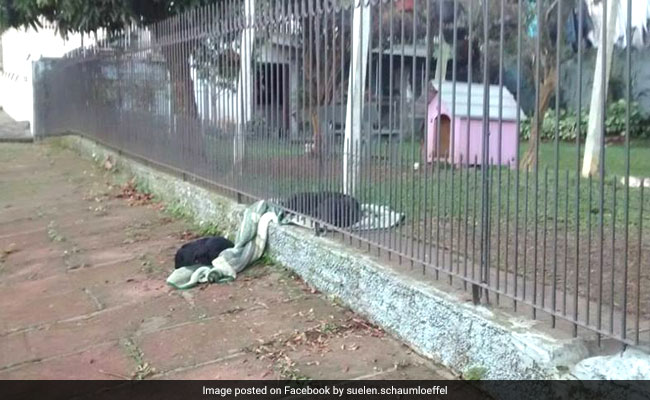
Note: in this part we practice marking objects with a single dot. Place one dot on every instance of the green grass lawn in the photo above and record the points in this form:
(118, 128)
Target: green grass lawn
(615, 157)
(565, 156)
(410, 152)
(452, 193)
(535, 196)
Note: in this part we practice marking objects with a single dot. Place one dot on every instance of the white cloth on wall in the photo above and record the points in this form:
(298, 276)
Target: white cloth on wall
(639, 21)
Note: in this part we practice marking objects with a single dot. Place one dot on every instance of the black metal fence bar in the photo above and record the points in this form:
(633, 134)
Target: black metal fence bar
(447, 135)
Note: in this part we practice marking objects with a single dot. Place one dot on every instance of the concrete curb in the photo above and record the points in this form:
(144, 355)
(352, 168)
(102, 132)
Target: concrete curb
(468, 339)
(15, 132)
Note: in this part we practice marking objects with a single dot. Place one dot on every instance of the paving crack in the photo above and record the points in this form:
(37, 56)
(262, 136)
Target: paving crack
(143, 369)
(199, 365)
(78, 318)
(375, 374)
(37, 360)
(98, 303)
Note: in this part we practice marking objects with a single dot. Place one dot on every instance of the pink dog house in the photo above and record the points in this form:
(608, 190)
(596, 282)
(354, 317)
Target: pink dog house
(466, 141)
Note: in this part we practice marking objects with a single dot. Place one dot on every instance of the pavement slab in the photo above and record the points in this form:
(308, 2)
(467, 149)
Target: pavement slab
(83, 294)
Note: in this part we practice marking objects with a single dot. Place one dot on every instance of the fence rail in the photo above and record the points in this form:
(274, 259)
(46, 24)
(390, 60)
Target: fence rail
(453, 113)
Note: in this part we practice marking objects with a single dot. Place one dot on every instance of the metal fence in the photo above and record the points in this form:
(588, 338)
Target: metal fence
(454, 113)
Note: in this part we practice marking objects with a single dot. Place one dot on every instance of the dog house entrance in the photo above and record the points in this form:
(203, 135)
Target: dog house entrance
(441, 148)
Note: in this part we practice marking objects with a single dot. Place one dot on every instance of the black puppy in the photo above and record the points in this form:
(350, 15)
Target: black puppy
(201, 251)
(336, 209)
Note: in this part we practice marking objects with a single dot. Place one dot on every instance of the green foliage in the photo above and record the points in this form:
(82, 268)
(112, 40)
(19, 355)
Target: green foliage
(567, 123)
(178, 211)
(265, 260)
(616, 120)
(208, 230)
(69, 15)
(181, 211)
(475, 373)
(90, 16)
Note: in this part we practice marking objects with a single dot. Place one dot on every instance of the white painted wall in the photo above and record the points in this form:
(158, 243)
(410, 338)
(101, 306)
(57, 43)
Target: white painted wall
(16, 96)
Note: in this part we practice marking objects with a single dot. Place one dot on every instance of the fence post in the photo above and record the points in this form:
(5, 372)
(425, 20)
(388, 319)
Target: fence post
(40, 97)
(356, 83)
(244, 85)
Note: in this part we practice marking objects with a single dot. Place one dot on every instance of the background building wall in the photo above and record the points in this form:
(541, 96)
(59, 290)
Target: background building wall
(18, 49)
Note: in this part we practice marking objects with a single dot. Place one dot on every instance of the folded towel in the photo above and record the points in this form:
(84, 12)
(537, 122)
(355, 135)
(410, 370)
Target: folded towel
(252, 237)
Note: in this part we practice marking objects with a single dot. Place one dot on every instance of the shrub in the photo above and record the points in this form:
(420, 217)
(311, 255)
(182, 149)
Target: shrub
(567, 123)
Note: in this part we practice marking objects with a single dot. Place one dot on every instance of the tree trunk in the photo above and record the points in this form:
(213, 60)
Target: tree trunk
(591, 160)
(184, 102)
(315, 121)
(176, 56)
(546, 92)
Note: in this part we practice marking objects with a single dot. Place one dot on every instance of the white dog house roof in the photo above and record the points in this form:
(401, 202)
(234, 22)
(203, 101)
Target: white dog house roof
(473, 94)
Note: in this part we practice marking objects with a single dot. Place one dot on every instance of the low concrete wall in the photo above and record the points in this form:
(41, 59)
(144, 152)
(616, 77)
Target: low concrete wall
(469, 339)
(461, 336)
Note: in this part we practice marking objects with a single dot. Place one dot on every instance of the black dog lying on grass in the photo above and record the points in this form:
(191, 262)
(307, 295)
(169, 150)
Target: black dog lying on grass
(337, 209)
(201, 251)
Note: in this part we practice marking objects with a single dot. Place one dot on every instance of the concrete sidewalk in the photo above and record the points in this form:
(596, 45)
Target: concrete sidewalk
(82, 294)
